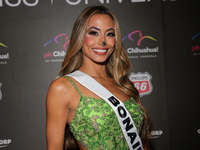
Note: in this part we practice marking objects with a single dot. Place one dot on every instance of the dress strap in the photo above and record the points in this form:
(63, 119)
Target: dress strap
(74, 85)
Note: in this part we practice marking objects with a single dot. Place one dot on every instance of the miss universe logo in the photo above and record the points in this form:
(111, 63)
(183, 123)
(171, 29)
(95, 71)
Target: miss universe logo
(70, 2)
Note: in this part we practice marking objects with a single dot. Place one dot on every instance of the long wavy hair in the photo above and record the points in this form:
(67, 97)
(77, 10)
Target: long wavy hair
(118, 65)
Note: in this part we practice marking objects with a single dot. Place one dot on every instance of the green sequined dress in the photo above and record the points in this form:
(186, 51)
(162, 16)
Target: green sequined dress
(96, 126)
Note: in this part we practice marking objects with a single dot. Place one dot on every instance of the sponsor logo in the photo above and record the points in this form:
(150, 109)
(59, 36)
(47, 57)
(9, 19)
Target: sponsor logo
(69, 2)
(198, 131)
(156, 134)
(195, 45)
(142, 82)
(56, 55)
(4, 55)
(1, 44)
(136, 38)
(5, 142)
(0, 91)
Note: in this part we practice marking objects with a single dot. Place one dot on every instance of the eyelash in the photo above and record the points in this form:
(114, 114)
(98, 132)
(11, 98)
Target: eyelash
(111, 34)
(96, 33)
(93, 33)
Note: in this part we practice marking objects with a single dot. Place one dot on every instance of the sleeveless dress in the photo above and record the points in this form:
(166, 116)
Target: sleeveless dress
(96, 126)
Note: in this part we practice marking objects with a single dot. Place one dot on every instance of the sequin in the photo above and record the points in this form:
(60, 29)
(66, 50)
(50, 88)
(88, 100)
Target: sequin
(95, 124)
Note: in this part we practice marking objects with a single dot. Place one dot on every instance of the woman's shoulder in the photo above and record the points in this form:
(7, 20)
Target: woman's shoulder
(61, 85)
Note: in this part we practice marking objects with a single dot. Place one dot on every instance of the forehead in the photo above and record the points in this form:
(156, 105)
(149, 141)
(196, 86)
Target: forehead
(101, 20)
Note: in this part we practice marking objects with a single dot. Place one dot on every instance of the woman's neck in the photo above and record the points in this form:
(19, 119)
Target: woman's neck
(94, 70)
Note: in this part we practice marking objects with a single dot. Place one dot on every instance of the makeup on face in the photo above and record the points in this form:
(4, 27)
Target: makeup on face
(95, 31)
(99, 41)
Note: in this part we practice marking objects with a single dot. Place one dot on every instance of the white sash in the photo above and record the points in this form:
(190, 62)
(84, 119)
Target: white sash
(125, 120)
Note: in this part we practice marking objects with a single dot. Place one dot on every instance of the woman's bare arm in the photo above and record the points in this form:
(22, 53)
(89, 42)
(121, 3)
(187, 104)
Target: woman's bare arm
(57, 107)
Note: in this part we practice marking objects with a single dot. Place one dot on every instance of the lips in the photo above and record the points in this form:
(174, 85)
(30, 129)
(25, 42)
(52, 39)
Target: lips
(100, 50)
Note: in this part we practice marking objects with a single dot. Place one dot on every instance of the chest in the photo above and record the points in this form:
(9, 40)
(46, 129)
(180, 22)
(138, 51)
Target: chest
(98, 112)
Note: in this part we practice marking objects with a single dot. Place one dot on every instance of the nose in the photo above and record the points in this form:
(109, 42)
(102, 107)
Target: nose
(102, 41)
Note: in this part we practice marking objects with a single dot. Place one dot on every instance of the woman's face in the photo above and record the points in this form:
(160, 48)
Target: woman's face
(99, 40)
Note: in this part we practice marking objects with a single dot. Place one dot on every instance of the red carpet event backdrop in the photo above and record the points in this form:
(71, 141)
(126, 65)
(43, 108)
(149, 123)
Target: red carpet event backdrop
(161, 38)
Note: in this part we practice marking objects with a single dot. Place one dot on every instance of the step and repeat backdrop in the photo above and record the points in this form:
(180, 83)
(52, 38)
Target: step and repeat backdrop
(162, 40)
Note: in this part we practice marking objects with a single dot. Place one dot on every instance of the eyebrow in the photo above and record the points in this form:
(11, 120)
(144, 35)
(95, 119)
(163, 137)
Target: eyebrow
(96, 28)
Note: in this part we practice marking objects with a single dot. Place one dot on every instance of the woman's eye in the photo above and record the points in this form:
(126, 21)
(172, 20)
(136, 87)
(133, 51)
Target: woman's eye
(93, 33)
(111, 34)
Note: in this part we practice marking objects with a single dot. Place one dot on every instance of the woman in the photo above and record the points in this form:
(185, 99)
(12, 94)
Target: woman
(95, 49)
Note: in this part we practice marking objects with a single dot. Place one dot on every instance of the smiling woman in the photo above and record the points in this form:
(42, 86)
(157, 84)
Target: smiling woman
(100, 39)
(78, 115)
